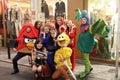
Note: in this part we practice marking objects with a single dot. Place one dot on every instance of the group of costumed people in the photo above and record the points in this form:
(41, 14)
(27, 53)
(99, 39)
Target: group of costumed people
(49, 41)
(57, 45)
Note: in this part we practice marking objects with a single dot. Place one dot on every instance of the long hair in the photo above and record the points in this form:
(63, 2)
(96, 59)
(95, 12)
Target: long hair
(35, 25)
(39, 40)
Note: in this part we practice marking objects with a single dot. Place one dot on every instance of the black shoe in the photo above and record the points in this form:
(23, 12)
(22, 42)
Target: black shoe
(17, 71)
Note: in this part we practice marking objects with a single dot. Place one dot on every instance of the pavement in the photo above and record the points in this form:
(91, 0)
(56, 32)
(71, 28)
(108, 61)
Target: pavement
(101, 71)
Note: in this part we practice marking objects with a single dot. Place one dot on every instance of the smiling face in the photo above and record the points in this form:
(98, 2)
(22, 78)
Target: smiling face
(84, 20)
(39, 45)
(62, 42)
(46, 29)
(53, 33)
(59, 22)
(69, 23)
(38, 25)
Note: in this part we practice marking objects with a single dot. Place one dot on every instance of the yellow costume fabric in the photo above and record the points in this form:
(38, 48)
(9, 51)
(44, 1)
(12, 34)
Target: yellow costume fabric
(65, 52)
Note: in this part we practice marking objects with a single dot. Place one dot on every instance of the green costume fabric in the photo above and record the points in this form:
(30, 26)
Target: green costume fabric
(88, 67)
(86, 42)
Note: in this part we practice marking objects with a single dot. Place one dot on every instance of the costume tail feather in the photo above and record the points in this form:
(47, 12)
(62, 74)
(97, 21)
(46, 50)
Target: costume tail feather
(78, 15)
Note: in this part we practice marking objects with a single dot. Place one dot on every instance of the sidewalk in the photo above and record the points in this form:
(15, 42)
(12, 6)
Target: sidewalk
(100, 71)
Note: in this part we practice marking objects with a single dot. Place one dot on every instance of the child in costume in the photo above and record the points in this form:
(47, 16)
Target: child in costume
(38, 60)
(86, 38)
(61, 55)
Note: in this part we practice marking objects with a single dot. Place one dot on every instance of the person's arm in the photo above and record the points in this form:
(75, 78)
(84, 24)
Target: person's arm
(15, 45)
(45, 52)
(33, 54)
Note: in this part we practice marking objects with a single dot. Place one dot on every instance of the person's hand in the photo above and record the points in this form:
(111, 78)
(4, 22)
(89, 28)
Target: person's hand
(62, 60)
(14, 49)
(44, 35)
(97, 36)
(54, 40)
(44, 50)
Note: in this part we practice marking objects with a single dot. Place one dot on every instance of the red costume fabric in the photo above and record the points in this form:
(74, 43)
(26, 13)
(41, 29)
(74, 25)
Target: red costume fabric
(62, 29)
(72, 35)
(26, 38)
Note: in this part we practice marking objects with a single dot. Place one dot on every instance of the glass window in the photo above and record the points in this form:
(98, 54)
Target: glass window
(106, 10)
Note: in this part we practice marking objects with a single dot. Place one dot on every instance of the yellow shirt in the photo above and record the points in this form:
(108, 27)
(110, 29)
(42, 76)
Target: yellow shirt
(66, 53)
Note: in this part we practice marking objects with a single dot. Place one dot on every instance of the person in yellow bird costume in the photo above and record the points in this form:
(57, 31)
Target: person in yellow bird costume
(61, 55)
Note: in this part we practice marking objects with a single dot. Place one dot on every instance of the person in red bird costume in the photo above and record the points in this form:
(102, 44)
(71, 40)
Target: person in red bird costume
(24, 42)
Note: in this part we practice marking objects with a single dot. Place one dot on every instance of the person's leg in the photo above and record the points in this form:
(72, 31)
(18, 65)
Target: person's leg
(62, 70)
(73, 59)
(50, 62)
(56, 74)
(15, 59)
(88, 67)
(34, 69)
(39, 69)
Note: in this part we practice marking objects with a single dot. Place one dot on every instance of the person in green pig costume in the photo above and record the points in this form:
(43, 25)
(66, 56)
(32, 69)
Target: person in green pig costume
(86, 39)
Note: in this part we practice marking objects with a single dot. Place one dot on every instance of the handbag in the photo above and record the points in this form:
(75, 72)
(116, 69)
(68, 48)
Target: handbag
(46, 72)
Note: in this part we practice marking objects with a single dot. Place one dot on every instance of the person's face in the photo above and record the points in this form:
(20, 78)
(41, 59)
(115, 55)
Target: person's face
(69, 24)
(38, 25)
(84, 20)
(63, 42)
(53, 34)
(28, 29)
(46, 29)
(59, 22)
(48, 22)
(39, 45)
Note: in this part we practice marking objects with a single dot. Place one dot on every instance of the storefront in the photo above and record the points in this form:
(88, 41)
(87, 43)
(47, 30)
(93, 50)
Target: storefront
(0, 23)
(108, 11)
(2, 28)
(9, 26)
(104, 9)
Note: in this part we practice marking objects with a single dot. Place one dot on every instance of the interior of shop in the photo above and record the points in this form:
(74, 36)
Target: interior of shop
(107, 11)
(23, 4)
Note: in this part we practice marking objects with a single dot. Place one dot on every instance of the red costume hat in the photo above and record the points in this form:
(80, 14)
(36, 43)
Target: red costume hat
(26, 38)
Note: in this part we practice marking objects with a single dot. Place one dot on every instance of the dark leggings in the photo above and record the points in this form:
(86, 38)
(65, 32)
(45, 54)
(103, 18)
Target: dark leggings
(16, 58)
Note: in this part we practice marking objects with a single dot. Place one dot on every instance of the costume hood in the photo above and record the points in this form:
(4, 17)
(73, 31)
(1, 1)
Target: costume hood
(27, 38)
(63, 37)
